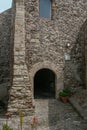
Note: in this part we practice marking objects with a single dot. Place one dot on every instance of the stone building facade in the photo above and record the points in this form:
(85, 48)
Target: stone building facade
(51, 50)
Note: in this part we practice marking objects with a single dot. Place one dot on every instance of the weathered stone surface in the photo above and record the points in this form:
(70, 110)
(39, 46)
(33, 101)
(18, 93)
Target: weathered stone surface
(5, 43)
(56, 38)
(39, 43)
(20, 93)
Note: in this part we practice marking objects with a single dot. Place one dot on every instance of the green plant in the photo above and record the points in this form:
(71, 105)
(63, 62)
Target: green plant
(67, 90)
(63, 97)
(63, 94)
(21, 118)
(6, 127)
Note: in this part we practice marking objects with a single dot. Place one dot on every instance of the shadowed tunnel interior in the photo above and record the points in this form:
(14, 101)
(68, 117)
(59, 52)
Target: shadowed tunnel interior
(44, 84)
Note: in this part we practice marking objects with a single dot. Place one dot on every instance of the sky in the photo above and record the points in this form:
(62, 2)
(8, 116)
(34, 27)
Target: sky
(4, 5)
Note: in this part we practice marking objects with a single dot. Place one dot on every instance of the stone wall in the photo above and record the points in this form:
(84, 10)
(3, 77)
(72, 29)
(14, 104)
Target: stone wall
(5, 43)
(43, 43)
(51, 39)
(76, 69)
(20, 93)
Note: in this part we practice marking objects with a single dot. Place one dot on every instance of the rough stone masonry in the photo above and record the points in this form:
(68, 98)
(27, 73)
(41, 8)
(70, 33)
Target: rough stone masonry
(39, 43)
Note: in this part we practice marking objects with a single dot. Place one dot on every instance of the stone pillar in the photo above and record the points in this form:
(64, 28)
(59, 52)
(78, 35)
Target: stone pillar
(20, 93)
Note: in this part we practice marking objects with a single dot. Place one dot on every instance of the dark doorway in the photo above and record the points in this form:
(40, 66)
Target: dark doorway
(44, 84)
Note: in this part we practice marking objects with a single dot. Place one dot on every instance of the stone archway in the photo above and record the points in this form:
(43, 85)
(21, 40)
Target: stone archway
(44, 84)
(51, 66)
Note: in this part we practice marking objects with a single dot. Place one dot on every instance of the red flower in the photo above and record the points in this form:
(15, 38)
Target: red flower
(35, 120)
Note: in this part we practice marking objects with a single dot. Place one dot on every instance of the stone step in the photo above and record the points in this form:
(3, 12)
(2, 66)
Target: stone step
(79, 102)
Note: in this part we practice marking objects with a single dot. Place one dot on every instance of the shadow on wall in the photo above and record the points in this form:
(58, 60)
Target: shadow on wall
(74, 70)
(4, 97)
(5, 41)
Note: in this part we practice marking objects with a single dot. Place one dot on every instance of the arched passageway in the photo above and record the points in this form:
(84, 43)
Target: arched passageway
(44, 84)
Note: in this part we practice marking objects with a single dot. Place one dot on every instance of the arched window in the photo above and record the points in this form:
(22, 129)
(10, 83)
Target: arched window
(45, 8)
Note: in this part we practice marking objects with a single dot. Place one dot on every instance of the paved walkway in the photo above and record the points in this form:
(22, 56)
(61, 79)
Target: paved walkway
(52, 114)
(55, 115)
